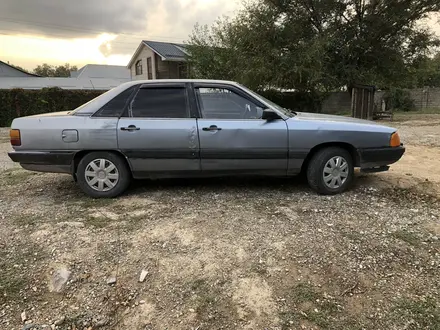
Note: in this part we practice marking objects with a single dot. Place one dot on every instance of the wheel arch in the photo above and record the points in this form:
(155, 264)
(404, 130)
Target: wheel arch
(80, 155)
(344, 145)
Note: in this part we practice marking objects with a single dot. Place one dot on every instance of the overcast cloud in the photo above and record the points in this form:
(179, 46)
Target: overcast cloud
(131, 20)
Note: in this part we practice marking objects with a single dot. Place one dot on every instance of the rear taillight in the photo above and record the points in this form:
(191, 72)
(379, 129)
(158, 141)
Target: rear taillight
(14, 134)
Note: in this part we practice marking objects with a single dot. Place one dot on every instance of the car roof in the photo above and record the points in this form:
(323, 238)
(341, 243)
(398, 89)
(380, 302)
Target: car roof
(161, 81)
(95, 104)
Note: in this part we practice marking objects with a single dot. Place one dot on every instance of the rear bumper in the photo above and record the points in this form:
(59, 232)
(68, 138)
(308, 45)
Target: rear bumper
(44, 161)
(377, 157)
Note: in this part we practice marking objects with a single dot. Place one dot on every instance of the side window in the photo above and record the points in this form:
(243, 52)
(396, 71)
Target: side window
(149, 68)
(115, 106)
(221, 103)
(157, 102)
(139, 68)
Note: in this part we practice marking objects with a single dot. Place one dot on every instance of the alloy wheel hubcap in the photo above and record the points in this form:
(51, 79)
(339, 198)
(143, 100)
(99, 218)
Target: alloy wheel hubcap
(335, 172)
(101, 175)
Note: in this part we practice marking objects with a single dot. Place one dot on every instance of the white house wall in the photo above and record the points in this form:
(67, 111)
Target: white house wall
(143, 55)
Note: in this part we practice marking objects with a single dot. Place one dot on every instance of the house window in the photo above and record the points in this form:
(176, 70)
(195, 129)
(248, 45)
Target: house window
(183, 70)
(149, 68)
(139, 68)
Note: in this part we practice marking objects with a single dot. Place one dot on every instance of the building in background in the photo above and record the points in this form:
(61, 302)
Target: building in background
(91, 76)
(9, 71)
(91, 71)
(159, 60)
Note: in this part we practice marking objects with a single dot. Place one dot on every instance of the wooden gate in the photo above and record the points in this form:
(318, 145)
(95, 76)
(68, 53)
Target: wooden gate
(362, 101)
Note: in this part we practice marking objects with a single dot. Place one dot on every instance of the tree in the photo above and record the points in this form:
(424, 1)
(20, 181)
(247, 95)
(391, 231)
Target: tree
(316, 46)
(46, 70)
(426, 72)
(18, 67)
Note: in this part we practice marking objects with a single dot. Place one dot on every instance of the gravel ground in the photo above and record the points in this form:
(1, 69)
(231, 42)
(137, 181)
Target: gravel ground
(226, 253)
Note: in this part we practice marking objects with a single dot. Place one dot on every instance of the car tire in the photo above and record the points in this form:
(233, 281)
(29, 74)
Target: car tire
(330, 171)
(103, 174)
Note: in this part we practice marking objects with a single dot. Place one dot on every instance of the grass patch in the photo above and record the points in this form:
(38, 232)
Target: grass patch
(421, 314)
(311, 307)
(26, 220)
(406, 236)
(258, 268)
(429, 114)
(352, 235)
(14, 271)
(212, 306)
(97, 222)
(304, 292)
(424, 111)
(15, 176)
(88, 202)
(11, 282)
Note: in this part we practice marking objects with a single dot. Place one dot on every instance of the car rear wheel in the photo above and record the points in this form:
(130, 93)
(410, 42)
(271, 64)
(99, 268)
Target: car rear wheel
(103, 175)
(330, 171)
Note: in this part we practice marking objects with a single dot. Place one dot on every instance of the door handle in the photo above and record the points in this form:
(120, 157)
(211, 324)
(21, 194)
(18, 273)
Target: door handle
(130, 128)
(212, 128)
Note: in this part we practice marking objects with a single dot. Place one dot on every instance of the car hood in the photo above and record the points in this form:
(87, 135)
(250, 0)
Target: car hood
(345, 122)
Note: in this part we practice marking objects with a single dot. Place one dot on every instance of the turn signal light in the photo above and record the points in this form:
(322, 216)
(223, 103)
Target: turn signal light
(14, 134)
(395, 140)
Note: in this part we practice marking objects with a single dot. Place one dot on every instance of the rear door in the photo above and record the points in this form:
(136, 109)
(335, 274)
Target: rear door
(233, 137)
(157, 133)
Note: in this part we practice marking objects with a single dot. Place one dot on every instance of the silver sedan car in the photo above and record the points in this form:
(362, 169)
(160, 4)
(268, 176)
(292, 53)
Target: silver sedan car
(193, 128)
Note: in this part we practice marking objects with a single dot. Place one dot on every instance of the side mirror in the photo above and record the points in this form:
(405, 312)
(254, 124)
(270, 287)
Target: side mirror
(270, 115)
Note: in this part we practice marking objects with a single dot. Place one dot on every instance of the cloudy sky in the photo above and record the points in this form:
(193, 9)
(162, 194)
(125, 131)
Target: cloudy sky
(96, 31)
(100, 31)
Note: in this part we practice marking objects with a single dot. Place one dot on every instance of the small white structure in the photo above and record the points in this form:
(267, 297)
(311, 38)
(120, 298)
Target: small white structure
(92, 71)
(64, 83)
(9, 71)
(91, 76)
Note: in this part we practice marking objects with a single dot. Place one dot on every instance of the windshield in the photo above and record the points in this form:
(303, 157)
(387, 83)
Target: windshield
(284, 111)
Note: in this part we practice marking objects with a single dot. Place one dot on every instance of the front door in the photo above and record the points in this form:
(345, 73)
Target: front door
(234, 138)
(157, 134)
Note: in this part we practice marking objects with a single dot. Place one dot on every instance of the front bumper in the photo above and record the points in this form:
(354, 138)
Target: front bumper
(378, 157)
(44, 161)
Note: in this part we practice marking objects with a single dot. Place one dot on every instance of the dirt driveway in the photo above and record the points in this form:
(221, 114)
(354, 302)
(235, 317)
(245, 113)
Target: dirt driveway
(226, 254)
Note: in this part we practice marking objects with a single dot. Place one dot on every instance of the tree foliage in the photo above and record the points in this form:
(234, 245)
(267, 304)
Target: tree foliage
(317, 45)
(426, 72)
(18, 67)
(46, 70)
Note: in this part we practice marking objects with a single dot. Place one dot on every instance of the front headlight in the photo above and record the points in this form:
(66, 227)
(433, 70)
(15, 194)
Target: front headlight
(395, 140)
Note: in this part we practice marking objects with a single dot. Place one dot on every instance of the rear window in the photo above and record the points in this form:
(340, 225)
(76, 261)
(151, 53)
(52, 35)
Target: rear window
(160, 102)
(116, 106)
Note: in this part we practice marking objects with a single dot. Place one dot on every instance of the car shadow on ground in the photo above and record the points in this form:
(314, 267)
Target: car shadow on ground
(68, 189)
(297, 183)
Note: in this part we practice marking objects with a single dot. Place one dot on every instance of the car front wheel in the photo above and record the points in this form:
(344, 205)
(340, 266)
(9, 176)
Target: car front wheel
(103, 175)
(330, 171)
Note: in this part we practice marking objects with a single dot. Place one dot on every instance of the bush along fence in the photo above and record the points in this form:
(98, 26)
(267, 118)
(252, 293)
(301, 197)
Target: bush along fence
(24, 102)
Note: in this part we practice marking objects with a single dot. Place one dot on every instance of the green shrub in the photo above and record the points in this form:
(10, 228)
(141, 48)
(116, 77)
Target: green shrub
(399, 99)
(295, 101)
(20, 102)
